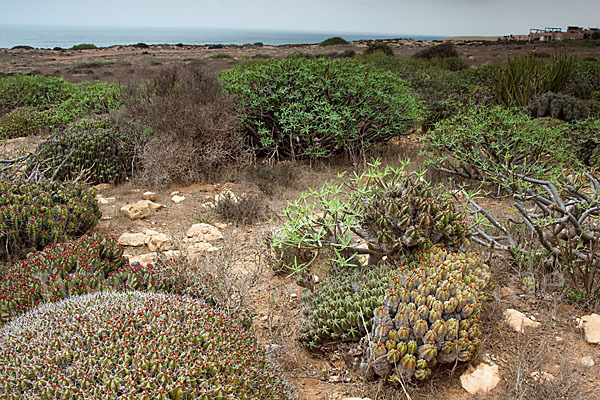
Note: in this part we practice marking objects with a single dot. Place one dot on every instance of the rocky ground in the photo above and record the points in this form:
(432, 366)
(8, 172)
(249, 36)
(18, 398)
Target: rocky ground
(537, 343)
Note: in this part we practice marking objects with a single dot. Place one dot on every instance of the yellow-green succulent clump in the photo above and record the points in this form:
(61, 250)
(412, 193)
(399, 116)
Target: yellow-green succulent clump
(430, 315)
(133, 345)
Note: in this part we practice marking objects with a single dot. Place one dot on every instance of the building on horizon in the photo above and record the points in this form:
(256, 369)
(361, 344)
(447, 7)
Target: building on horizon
(552, 34)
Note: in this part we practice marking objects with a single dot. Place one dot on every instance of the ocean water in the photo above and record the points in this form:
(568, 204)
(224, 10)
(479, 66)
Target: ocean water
(67, 36)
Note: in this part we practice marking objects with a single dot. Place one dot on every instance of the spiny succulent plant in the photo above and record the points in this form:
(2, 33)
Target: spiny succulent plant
(35, 215)
(429, 315)
(557, 105)
(406, 213)
(24, 121)
(342, 307)
(99, 155)
(133, 345)
(86, 265)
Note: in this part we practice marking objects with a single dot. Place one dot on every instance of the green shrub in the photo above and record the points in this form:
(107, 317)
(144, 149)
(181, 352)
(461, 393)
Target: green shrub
(33, 216)
(379, 47)
(430, 316)
(497, 144)
(585, 80)
(333, 41)
(97, 156)
(86, 265)
(390, 211)
(133, 345)
(84, 46)
(443, 50)
(585, 139)
(32, 91)
(523, 78)
(316, 108)
(557, 105)
(24, 121)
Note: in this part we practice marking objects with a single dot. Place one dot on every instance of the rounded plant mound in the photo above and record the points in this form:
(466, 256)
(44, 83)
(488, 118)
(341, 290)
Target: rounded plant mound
(342, 307)
(133, 345)
(316, 108)
(36, 215)
(429, 316)
(86, 265)
(99, 155)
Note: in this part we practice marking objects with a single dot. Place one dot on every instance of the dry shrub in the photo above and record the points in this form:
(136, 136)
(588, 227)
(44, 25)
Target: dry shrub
(187, 127)
(241, 210)
(222, 279)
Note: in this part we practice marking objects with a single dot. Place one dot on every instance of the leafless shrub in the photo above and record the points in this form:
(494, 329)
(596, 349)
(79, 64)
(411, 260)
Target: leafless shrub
(187, 128)
(245, 209)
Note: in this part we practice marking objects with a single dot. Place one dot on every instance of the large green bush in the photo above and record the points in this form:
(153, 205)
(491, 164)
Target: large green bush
(498, 144)
(32, 104)
(133, 345)
(101, 155)
(315, 108)
(35, 215)
(86, 265)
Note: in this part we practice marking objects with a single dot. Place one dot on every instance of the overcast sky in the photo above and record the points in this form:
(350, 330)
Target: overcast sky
(420, 17)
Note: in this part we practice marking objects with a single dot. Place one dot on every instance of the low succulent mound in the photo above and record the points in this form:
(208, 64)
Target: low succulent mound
(133, 345)
(33, 216)
(82, 266)
(429, 316)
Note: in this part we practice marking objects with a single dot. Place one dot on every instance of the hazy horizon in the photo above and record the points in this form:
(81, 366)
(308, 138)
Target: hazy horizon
(395, 17)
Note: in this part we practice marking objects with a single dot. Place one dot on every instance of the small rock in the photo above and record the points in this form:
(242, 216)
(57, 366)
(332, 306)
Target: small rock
(156, 242)
(293, 295)
(356, 398)
(587, 361)
(149, 196)
(144, 259)
(141, 209)
(201, 249)
(104, 200)
(335, 379)
(132, 239)
(177, 199)
(543, 376)
(518, 321)
(204, 233)
(150, 232)
(559, 339)
(591, 328)
(102, 186)
(481, 379)
(221, 225)
(175, 193)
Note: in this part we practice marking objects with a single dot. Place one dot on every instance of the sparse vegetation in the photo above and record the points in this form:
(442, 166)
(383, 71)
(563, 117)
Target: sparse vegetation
(333, 41)
(443, 50)
(84, 46)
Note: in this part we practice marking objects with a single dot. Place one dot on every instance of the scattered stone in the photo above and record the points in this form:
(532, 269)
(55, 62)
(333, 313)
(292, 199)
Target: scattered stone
(591, 328)
(204, 233)
(559, 339)
(144, 259)
(102, 186)
(221, 225)
(149, 196)
(201, 249)
(104, 200)
(587, 361)
(481, 379)
(518, 321)
(543, 376)
(177, 199)
(132, 239)
(150, 232)
(156, 242)
(141, 209)
(175, 193)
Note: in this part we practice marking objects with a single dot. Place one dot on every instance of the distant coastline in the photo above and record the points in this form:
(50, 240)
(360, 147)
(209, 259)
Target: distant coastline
(65, 37)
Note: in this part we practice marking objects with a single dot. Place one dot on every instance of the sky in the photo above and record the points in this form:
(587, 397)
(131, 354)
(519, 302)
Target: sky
(419, 17)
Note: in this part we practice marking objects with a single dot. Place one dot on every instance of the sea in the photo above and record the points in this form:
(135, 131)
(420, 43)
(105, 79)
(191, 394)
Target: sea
(49, 37)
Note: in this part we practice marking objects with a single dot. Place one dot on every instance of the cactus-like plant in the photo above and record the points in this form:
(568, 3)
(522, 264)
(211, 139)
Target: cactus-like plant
(99, 156)
(557, 105)
(86, 265)
(429, 315)
(33, 216)
(133, 345)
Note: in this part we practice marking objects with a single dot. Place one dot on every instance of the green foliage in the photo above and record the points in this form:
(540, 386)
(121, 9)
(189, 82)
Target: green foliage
(316, 108)
(557, 105)
(86, 265)
(585, 139)
(220, 56)
(31, 104)
(24, 121)
(133, 345)
(84, 46)
(333, 41)
(430, 315)
(497, 144)
(379, 47)
(392, 211)
(523, 78)
(33, 216)
(341, 309)
(99, 156)
(585, 80)
(443, 50)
